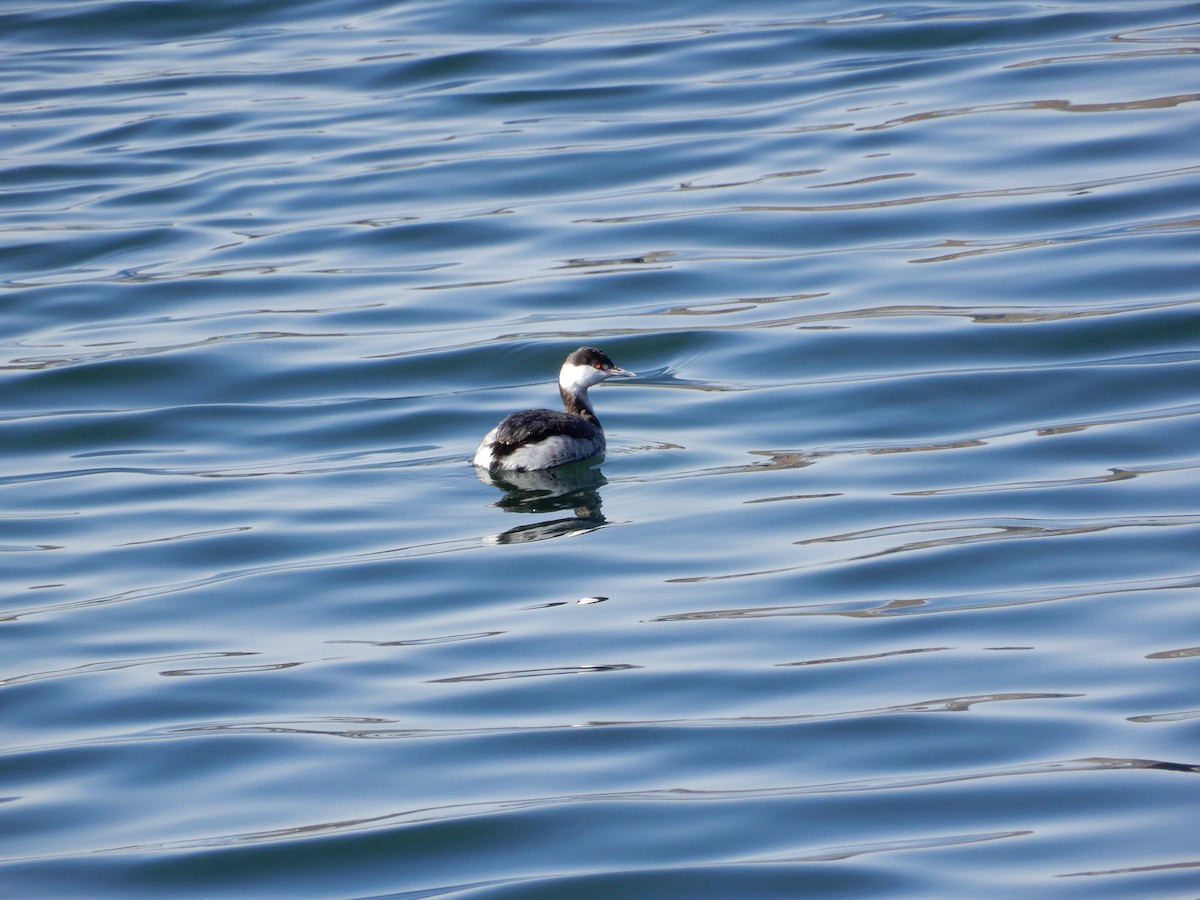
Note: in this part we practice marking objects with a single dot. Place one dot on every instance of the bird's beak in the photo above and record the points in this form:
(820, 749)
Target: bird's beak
(617, 370)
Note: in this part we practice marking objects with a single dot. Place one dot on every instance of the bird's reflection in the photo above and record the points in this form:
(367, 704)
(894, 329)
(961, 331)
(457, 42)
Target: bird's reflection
(575, 487)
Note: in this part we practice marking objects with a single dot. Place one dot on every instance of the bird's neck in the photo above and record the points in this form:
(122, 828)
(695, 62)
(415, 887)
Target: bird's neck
(577, 403)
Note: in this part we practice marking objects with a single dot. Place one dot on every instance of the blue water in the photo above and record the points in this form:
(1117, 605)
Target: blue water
(889, 585)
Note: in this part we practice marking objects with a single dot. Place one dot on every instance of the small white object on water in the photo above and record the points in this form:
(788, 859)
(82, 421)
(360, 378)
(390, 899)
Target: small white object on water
(584, 600)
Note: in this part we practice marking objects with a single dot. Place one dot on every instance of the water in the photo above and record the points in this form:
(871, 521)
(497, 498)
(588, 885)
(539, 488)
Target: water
(888, 586)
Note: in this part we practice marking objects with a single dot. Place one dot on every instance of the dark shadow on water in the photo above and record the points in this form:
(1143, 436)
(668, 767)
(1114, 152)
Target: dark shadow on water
(574, 487)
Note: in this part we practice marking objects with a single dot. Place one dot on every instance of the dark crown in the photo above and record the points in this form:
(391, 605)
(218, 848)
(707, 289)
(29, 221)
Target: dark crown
(589, 356)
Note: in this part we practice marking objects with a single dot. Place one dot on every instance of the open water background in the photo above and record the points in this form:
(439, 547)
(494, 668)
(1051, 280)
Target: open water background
(898, 532)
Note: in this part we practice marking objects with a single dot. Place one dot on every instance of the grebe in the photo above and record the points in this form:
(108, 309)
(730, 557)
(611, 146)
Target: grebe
(544, 438)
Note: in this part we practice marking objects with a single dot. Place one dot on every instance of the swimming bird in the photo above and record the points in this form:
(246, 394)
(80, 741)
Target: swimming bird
(544, 438)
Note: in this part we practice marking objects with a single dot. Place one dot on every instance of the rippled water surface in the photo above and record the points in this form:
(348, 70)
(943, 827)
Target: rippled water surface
(889, 585)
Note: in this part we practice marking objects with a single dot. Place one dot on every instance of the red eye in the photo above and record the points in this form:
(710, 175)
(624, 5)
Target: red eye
(596, 366)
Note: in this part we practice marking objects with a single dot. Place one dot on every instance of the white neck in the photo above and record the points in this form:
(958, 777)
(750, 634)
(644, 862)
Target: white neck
(573, 382)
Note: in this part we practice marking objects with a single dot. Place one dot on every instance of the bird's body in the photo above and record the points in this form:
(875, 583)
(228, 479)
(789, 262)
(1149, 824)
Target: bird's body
(544, 438)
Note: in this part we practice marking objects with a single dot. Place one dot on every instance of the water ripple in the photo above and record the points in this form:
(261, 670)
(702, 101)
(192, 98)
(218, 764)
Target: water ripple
(272, 270)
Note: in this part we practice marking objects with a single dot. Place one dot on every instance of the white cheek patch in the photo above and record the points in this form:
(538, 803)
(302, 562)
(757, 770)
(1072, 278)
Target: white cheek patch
(576, 377)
